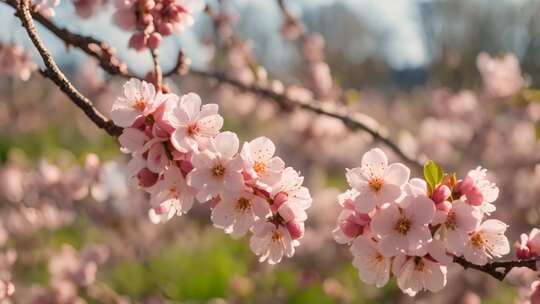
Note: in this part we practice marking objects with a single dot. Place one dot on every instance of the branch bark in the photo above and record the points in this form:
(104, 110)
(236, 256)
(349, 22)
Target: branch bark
(498, 269)
(53, 72)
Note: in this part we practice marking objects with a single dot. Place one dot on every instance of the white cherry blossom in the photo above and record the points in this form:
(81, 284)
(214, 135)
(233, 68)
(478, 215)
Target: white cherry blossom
(138, 100)
(376, 181)
(487, 241)
(217, 169)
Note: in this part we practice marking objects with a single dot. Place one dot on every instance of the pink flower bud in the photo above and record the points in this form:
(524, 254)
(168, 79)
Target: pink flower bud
(147, 4)
(465, 185)
(348, 204)
(440, 194)
(147, 178)
(295, 230)
(186, 166)
(165, 28)
(137, 41)
(161, 209)
(279, 199)
(154, 40)
(522, 252)
(444, 206)
(350, 228)
(474, 197)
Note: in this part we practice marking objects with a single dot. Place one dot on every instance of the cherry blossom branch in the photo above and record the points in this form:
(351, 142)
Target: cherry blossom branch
(53, 72)
(498, 269)
(327, 109)
(93, 47)
(113, 66)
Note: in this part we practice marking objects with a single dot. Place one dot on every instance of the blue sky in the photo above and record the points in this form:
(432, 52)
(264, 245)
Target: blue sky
(401, 41)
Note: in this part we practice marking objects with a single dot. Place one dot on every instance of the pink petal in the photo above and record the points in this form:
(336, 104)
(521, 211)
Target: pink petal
(226, 143)
(397, 174)
(383, 221)
(374, 163)
(191, 103)
(124, 116)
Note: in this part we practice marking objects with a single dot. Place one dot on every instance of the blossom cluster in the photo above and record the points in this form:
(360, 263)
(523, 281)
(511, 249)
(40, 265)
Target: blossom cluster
(15, 61)
(152, 19)
(179, 155)
(413, 228)
(501, 75)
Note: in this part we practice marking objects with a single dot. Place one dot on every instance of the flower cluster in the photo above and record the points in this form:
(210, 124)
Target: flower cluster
(153, 19)
(413, 228)
(501, 75)
(16, 62)
(179, 155)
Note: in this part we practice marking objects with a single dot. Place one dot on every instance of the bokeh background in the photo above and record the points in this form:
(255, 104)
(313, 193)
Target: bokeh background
(407, 67)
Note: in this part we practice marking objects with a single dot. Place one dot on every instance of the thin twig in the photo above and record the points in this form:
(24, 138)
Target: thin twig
(327, 109)
(93, 47)
(157, 68)
(53, 72)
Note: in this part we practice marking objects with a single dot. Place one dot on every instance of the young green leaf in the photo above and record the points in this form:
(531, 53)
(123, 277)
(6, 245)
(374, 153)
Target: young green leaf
(433, 174)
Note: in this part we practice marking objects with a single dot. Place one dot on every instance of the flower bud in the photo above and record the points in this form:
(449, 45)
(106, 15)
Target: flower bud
(165, 28)
(147, 178)
(137, 41)
(474, 197)
(154, 40)
(440, 194)
(279, 199)
(445, 206)
(295, 229)
(350, 228)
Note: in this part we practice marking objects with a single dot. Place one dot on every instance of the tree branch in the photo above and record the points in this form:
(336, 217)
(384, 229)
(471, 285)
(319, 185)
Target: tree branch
(157, 68)
(53, 72)
(498, 269)
(327, 109)
(114, 66)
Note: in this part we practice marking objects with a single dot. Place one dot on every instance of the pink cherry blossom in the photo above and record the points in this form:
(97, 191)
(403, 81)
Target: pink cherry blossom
(138, 101)
(217, 169)
(171, 195)
(261, 163)
(478, 190)
(271, 242)
(16, 62)
(351, 224)
(236, 212)
(46, 7)
(404, 227)
(416, 273)
(6, 289)
(456, 224)
(501, 75)
(486, 242)
(373, 267)
(291, 199)
(87, 8)
(194, 125)
(376, 181)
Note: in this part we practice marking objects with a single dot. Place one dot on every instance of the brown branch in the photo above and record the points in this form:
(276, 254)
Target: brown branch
(93, 47)
(327, 109)
(157, 68)
(352, 123)
(53, 72)
(498, 269)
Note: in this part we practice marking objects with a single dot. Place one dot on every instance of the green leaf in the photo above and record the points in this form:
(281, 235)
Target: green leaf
(537, 130)
(433, 175)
